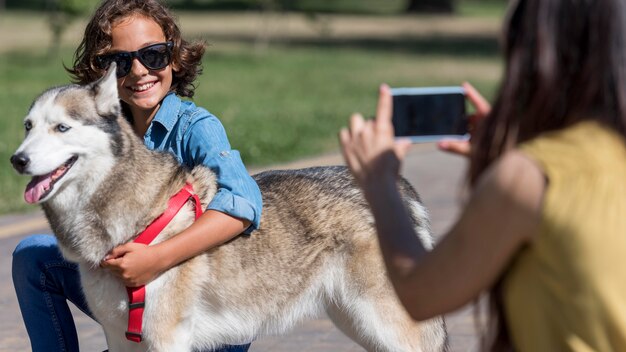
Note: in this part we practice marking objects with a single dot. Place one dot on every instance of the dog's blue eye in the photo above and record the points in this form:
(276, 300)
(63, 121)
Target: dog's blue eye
(63, 127)
(28, 125)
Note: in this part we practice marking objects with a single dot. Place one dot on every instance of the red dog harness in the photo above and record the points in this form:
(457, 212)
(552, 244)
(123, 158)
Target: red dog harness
(137, 295)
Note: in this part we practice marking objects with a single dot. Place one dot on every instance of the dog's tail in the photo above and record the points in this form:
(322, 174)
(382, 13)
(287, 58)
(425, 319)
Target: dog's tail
(418, 213)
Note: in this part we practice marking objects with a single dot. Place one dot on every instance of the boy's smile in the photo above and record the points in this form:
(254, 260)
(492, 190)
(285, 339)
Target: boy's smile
(142, 89)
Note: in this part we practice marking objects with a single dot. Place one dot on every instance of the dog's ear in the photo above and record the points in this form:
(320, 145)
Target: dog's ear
(105, 92)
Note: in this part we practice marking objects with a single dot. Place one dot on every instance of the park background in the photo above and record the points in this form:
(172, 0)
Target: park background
(283, 76)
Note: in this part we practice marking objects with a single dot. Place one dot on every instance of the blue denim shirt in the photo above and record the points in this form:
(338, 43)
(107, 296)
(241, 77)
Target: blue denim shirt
(195, 136)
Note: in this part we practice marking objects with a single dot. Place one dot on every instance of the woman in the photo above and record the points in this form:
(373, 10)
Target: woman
(544, 227)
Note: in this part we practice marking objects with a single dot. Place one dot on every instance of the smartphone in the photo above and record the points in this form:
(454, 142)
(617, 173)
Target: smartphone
(429, 114)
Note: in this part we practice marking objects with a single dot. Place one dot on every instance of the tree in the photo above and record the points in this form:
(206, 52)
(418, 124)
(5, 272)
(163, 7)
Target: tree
(440, 6)
(61, 13)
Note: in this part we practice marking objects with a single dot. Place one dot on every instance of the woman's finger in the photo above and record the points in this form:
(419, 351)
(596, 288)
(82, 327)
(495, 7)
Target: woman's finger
(384, 109)
(456, 147)
(346, 150)
(356, 124)
(479, 102)
(402, 147)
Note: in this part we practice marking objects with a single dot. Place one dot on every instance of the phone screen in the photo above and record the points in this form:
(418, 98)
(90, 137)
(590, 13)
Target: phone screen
(429, 114)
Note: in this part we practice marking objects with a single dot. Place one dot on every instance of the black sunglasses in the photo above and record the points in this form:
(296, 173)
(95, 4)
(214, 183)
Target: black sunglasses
(153, 57)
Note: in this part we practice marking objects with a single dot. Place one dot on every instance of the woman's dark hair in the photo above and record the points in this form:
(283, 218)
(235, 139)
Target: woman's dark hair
(186, 57)
(565, 61)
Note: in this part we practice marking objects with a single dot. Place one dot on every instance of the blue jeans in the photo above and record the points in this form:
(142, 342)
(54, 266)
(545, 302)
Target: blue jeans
(44, 282)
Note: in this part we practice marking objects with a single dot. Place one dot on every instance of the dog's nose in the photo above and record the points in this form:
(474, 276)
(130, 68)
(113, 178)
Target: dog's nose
(20, 161)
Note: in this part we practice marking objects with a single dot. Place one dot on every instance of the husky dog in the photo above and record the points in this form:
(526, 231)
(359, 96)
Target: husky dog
(316, 249)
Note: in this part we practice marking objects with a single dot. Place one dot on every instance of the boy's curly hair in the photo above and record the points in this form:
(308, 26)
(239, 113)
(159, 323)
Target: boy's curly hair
(186, 56)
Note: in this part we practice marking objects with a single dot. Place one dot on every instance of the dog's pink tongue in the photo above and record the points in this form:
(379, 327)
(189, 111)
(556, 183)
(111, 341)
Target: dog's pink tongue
(37, 187)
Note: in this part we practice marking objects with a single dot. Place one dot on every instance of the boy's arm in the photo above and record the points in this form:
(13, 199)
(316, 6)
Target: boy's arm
(238, 195)
(137, 264)
(235, 209)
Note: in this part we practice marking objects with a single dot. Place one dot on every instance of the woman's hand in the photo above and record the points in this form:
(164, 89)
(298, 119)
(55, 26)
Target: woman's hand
(134, 263)
(481, 107)
(370, 148)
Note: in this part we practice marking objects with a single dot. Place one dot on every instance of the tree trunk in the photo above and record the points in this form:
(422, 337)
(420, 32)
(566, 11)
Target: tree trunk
(436, 6)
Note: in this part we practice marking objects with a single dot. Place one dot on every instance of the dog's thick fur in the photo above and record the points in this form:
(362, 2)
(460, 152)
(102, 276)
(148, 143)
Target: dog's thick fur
(315, 251)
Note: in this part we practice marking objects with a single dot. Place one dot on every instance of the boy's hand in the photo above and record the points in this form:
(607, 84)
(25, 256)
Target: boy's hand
(134, 263)
(481, 107)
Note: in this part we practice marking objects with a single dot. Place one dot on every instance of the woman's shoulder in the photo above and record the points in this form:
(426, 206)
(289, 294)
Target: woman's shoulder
(584, 145)
(513, 188)
(581, 135)
(514, 181)
(514, 172)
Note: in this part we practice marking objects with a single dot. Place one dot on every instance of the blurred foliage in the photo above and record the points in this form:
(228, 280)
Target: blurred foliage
(74, 8)
(61, 13)
(320, 6)
(431, 6)
(332, 6)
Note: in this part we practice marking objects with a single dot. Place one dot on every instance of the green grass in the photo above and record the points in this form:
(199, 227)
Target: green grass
(291, 103)
(285, 103)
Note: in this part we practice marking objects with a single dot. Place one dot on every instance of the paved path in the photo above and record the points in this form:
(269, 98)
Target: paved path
(437, 177)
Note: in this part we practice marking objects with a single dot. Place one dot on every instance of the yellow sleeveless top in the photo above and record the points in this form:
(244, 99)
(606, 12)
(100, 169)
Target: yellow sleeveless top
(566, 291)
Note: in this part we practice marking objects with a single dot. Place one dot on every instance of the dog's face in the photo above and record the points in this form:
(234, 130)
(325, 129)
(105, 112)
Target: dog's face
(68, 129)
